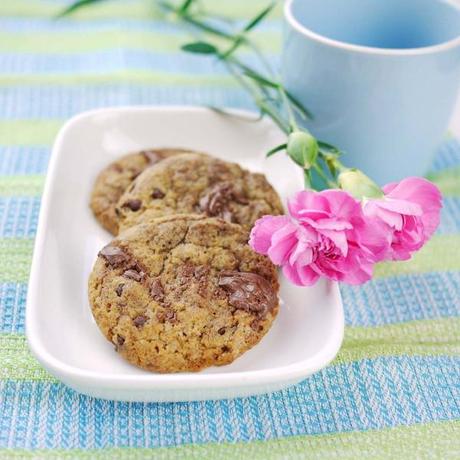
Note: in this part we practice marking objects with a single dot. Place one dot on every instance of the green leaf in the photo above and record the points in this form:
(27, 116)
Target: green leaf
(328, 148)
(259, 17)
(260, 79)
(199, 48)
(185, 6)
(75, 6)
(299, 107)
(276, 149)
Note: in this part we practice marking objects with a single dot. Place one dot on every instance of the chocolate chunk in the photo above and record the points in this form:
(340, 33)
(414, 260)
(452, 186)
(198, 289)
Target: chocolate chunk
(140, 320)
(215, 201)
(120, 340)
(151, 156)
(185, 273)
(248, 291)
(221, 331)
(157, 194)
(133, 275)
(201, 271)
(134, 205)
(156, 290)
(170, 316)
(225, 349)
(114, 255)
(119, 289)
(167, 315)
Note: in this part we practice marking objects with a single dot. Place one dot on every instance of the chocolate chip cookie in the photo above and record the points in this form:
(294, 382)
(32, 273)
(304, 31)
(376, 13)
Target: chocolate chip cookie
(198, 184)
(183, 293)
(116, 178)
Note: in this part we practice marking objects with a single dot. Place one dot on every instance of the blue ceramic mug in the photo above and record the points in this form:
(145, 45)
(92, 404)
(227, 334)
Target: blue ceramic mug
(380, 77)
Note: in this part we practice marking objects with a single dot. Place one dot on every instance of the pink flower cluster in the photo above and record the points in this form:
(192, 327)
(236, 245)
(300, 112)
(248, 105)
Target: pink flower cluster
(331, 234)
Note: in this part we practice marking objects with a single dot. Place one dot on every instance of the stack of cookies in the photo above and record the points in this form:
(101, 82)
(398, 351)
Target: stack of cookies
(178, 288)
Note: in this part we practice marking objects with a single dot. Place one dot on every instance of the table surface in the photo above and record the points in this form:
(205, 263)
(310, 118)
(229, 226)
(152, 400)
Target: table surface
(394, 389)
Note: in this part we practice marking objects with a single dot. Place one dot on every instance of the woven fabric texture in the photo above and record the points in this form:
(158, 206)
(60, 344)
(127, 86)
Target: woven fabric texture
(392, 392)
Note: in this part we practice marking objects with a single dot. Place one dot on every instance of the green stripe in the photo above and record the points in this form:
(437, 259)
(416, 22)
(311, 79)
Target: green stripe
(133, 77)
(15, 259)
(421, 338)
(448, 180)
(28, 132)
(21, 185)
(17, 363)
(416, 338)
(428, 441)
(441, 253)
(81, 42)
(140, 9)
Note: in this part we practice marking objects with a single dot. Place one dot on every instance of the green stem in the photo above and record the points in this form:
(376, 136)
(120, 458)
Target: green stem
(290, 112)
(186, 17)
(306, 179)
(323, 176)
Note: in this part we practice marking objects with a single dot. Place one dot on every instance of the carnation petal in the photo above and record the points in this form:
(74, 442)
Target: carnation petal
(261, 233)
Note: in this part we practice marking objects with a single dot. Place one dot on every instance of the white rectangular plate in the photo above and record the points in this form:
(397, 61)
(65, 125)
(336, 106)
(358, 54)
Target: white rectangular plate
(60, 329)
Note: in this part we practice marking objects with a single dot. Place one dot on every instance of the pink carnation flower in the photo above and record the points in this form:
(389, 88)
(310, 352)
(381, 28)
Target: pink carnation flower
(411, 210)
(326, 234)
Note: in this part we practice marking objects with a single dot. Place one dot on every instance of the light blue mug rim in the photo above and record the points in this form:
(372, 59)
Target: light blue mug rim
(294, 23)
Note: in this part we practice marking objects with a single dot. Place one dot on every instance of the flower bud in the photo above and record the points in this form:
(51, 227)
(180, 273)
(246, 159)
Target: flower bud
(359, 185)
(302, 147)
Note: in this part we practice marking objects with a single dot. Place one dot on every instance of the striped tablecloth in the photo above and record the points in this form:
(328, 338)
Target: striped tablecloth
(394, 389)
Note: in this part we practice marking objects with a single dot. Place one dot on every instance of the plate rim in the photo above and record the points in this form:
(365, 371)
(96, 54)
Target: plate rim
(67, 372)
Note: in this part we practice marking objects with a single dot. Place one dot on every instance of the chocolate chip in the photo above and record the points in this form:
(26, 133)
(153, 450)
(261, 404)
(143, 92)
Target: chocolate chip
(156, 290)
(221, 331)
(151, 156)
(216, 202)
(113, 255)
(119, 289)
(133, 275)
(248, 291)
(120, 340)
(140, 320)
(201, 271)
(185, 273)
(225, 349)
(170, 316)
(134, 204)
(256, 326)
(157, 194)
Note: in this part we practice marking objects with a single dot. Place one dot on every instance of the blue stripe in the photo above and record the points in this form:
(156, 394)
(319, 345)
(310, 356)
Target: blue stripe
(12, 307)
(450, 216)
(402, 298)
(18, 160)
(369, 394)
(448, 155)
(63, 102)
(19, 216)
(113, 60)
